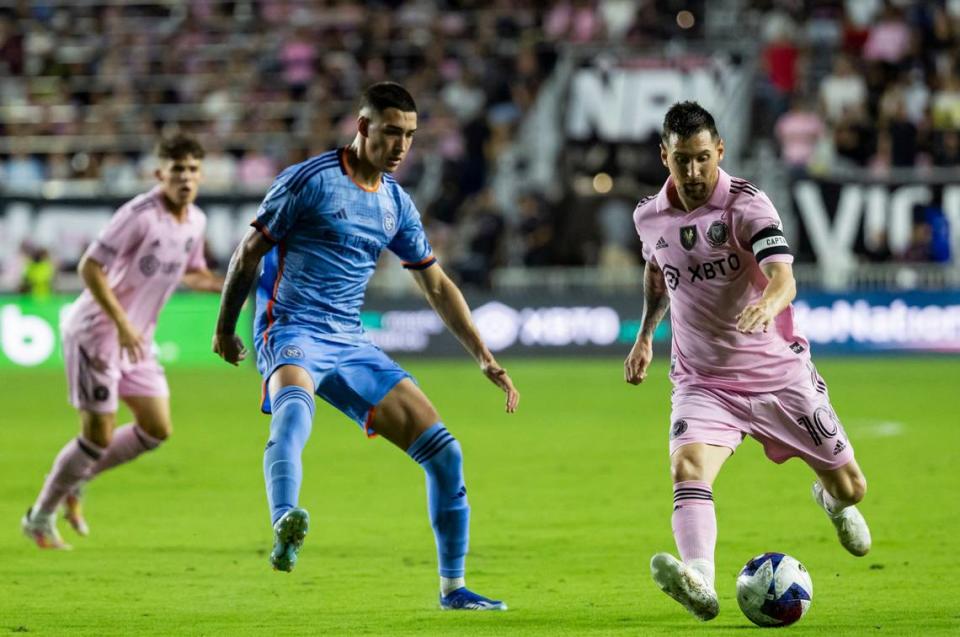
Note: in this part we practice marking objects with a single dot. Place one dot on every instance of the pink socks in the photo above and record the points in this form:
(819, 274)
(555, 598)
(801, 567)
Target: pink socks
(81, 460)
(695, 525)
(128, 442)
(70, 467)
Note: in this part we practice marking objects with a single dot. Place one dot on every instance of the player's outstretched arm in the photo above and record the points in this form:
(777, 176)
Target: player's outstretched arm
(448, 302)
(203, 280)
(130, 339)
(780, 291)
(240, 275)
(656, 300)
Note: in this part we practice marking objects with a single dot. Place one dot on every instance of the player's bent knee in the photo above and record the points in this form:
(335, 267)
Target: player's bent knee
(162, 433)
(685, 467)
(100, 438)
(160, 430)
(98, 428)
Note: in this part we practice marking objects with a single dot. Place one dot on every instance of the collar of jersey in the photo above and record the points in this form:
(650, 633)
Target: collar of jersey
(156, 194)
(345, 166)
(717, 200)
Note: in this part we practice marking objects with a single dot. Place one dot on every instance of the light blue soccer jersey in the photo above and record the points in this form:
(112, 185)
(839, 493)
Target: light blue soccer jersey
(329, 232)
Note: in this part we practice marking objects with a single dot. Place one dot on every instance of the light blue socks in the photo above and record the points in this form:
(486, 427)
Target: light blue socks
(438, 452)
(282, 465)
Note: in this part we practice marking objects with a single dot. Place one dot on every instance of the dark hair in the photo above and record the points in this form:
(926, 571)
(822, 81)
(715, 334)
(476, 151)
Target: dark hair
(384, 95)
(685, 119)
(178, 147)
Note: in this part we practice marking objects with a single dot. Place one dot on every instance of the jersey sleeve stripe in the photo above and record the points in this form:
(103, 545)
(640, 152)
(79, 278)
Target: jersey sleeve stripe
(143, 205)
(107, 250)
(263, 229)
(420, 265)
(307, 174)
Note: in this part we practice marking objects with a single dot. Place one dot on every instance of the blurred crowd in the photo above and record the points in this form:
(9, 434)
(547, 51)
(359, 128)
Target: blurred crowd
(86, 88)
(873, 84)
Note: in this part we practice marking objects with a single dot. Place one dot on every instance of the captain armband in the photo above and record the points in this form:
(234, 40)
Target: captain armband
(768, 242)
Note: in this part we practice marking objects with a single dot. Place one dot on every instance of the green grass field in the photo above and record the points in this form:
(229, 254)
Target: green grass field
(571, 496)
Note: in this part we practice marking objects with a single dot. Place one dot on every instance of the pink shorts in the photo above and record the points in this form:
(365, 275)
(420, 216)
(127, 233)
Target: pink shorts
(96, 378)
(796, 421)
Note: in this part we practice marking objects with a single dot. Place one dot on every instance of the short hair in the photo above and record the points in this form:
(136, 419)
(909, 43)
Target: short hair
(179, 146)
(685, 119)
(384, 95)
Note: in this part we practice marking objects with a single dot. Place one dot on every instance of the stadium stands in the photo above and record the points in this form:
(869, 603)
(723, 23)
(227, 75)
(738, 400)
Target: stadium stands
(868, 87)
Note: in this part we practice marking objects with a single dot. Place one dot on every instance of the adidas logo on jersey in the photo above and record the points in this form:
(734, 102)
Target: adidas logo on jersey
(661, 244)
(840, 446)
(340, 214)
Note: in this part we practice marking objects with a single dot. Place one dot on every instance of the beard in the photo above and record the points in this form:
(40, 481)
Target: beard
(695, 192)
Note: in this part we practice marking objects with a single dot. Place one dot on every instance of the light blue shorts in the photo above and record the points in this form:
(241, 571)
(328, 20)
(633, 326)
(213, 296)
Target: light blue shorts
(354, 378)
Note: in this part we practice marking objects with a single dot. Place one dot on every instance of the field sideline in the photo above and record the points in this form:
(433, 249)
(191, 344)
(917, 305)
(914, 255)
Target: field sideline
(571, 496)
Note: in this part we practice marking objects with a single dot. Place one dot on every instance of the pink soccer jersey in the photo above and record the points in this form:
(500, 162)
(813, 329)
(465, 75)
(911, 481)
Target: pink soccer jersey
(145, 252)
(710, 258)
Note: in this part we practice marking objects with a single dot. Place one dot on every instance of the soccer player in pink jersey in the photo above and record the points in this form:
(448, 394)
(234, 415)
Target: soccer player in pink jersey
(152, 244)
(717, 257)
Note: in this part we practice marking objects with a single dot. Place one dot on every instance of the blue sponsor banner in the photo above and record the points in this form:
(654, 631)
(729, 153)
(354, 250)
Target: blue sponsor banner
(910, 321)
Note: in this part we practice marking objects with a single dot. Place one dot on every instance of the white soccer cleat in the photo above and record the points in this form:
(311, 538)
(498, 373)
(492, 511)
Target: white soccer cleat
(851, 527)
(686, 585)
(42, 529)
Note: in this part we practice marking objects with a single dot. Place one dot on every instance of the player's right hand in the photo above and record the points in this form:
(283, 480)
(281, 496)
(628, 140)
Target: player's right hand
(130, 341)
(499, 377)
(229, 347)
(638, 360)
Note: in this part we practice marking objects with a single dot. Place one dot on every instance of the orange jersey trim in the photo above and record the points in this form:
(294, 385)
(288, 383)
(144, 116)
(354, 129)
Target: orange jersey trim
(276, 287)
(346, 168)
(408, 264)
(420, 265)
(263, 229)
(368, 422)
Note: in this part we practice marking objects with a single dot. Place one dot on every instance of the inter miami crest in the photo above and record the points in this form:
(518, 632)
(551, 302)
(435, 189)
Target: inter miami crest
(688, 237)
(679, 428)
(149, 264)
(717, 234)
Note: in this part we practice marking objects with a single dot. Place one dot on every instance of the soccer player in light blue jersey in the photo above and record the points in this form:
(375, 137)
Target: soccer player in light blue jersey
(322, 226)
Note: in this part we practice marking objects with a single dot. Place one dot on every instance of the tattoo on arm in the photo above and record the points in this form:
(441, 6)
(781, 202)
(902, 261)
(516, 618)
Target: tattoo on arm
(656, 300)
(236, 286)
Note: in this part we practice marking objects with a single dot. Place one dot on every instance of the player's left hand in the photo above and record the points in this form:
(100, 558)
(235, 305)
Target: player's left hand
(499, 377)
(229, 347)
(755, 317)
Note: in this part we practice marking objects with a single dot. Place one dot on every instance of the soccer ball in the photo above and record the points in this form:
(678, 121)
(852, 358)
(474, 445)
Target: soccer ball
(774, 589)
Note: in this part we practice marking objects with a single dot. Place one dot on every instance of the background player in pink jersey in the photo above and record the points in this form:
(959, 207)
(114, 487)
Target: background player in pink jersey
(717, 257)
(152, 244)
